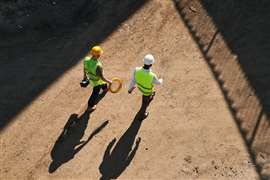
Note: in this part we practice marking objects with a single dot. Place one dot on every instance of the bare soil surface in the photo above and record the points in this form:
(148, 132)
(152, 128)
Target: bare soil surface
(189, 134)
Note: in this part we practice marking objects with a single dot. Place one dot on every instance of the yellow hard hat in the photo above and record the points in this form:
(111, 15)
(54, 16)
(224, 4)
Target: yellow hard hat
(96, 51)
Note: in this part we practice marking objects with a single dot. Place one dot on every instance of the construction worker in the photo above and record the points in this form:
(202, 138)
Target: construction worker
(145, 79)
(93, 73)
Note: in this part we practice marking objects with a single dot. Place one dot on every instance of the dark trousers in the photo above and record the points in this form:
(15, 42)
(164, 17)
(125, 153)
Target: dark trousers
(146, 100)
(96, 96)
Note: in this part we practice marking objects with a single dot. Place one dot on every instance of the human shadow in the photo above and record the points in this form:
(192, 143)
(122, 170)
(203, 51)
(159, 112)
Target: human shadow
(116, 160)
(69, 142)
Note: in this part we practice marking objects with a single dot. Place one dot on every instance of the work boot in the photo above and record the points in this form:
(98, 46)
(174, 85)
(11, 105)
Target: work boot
(144, 116)
(91, 109)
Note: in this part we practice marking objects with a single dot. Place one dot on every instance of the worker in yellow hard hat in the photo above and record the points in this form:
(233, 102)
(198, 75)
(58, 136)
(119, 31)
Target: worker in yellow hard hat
(93, 73)
(145, 80)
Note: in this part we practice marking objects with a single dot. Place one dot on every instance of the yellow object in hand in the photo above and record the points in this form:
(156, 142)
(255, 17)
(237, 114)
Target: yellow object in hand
(116, 85)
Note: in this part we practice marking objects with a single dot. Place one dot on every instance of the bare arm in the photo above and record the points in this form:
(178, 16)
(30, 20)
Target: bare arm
(99, 72)
(84, 74)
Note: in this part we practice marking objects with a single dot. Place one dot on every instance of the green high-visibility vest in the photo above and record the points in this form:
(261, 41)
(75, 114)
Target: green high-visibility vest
(90, 67)
(144, 81)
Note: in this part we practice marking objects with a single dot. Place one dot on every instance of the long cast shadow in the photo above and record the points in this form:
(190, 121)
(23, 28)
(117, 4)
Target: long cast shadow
(233, 38)
(69, 142)
(56, 40)
(116, 160)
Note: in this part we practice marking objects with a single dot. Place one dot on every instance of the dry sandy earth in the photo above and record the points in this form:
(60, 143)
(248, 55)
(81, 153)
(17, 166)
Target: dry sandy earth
(190, 133)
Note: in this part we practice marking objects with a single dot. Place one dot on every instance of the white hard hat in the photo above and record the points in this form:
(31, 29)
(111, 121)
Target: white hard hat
(148, 59)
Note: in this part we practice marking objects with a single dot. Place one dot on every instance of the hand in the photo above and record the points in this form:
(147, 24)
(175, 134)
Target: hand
(130, 90)
(109, 81)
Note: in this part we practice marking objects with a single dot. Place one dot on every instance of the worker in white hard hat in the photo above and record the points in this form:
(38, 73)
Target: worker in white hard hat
(145, 79)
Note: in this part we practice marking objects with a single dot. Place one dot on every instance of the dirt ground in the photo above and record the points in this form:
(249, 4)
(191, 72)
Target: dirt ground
(189, 134)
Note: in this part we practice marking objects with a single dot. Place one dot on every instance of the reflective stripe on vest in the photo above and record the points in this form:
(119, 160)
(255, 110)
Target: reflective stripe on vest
(90, 67)
(144, 81)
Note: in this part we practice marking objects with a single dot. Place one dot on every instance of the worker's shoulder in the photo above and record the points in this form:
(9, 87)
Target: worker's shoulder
(137, 68)
(99, 62)
(153, 74)
(87, 58)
